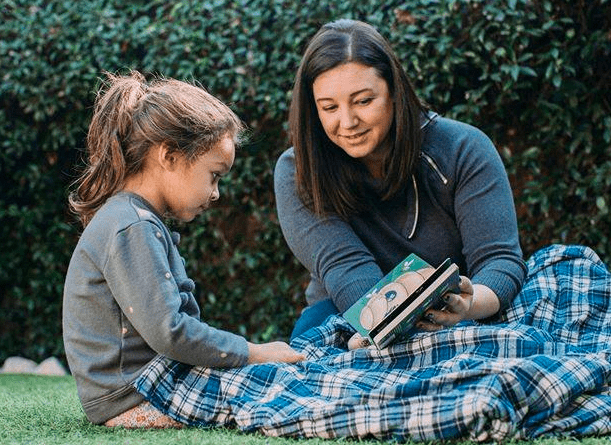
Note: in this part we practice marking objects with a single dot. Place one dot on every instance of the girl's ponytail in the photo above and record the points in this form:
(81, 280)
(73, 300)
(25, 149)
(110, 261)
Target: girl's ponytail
(109, 130)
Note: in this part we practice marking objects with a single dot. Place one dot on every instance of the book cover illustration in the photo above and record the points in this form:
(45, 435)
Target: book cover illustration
(391, 308)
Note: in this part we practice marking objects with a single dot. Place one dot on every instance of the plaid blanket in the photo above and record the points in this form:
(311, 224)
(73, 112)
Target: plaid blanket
(543, 370)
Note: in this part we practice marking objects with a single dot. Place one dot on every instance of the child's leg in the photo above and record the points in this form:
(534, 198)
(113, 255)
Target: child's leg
(144, 415)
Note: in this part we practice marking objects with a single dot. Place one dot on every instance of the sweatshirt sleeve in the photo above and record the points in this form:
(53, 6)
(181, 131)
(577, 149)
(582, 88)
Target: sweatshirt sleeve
(486, 217)
(139, 275)
(327, 247)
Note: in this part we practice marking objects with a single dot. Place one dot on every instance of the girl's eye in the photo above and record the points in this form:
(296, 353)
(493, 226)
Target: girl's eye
(329, 108)
(365, 101)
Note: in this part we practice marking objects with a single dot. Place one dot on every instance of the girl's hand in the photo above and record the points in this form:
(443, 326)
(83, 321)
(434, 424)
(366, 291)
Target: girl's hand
(277, 351)
(474, 302)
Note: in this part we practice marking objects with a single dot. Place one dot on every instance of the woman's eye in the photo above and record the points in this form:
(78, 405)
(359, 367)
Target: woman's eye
(365, 101)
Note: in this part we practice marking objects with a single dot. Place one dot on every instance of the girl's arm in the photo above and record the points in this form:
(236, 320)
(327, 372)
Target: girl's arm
(159, 304)
(156, 300)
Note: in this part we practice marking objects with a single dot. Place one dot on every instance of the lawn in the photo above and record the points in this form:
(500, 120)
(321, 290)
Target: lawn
(40, 410)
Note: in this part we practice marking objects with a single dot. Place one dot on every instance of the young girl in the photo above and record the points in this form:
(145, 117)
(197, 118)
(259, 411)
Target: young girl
(155, 150)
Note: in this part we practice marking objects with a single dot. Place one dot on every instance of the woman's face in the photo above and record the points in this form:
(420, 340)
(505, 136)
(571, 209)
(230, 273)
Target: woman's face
(356, 112)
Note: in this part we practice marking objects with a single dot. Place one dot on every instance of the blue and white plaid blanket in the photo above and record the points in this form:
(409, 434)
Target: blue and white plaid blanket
(544, 370)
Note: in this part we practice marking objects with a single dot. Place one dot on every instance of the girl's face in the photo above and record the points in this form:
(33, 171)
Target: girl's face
(356, 112)
(192, 187)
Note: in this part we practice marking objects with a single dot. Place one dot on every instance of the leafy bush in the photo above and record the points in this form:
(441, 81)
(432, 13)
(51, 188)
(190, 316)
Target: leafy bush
(533, 74)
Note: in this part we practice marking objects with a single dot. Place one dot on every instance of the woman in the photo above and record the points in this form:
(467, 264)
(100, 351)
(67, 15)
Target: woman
(374, 175)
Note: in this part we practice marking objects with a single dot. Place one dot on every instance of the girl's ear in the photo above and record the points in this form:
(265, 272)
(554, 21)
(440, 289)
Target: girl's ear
(168, 160)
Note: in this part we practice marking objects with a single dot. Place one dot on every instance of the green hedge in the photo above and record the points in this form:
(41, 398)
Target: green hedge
(533, 74)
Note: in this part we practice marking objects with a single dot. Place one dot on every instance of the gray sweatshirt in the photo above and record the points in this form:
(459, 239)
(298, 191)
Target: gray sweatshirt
(457, 205)
(127, 298)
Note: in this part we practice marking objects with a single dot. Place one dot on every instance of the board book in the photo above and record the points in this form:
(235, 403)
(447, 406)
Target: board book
(390, 310)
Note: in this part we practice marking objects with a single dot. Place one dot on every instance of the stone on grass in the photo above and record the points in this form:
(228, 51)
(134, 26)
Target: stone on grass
(50, 366)
(18, 365)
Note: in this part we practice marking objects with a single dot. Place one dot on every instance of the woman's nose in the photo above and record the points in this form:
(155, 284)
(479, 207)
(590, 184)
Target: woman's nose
(348, 118)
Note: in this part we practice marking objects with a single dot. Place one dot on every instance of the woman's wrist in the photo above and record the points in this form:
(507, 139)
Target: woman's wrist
(484, 302)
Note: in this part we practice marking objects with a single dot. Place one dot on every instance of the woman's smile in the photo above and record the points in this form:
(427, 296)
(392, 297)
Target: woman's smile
(355, 137)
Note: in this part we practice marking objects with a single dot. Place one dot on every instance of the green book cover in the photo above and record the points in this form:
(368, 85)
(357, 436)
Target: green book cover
(391, 308)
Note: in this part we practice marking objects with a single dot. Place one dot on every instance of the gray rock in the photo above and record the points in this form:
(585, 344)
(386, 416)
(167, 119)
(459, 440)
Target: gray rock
(18, 365)
(50, 366)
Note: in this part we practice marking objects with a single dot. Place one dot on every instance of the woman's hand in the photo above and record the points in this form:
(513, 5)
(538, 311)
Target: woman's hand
(474, 302)
(277, 351)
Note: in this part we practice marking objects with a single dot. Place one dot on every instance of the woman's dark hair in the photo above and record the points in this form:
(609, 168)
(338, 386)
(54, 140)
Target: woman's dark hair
(132, 115)
(329, 180)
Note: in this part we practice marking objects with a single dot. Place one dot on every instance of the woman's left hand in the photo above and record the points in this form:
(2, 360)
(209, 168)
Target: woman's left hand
(475, 301)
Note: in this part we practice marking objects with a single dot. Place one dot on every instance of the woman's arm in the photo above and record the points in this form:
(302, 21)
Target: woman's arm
(328, 247)
(486, 219)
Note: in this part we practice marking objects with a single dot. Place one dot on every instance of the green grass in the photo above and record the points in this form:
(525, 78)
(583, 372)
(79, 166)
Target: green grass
(41, 410)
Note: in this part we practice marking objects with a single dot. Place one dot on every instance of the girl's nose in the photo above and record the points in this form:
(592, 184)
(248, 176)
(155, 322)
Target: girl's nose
(215, 193)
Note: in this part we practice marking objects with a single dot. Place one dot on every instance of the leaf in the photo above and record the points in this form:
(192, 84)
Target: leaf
(601, 204)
